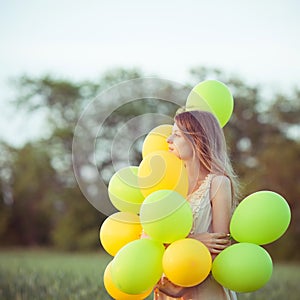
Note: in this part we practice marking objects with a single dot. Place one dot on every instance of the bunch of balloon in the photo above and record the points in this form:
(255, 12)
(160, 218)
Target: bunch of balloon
(261, 218)
(137, 263)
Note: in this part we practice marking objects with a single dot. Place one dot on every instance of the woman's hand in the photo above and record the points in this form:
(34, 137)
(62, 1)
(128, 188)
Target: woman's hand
(215, 242)
(169, 288)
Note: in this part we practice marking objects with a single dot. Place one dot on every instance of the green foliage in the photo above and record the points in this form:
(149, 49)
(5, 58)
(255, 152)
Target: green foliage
(41, 203)
(48, 275)
(78, 223)
(52, 275)
(28, 212)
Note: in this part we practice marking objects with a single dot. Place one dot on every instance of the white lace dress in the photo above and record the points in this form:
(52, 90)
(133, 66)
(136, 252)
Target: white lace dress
(209, 289)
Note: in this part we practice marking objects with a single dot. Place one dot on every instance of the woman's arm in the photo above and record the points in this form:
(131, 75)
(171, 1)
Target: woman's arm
(221, 203)
(220, 194)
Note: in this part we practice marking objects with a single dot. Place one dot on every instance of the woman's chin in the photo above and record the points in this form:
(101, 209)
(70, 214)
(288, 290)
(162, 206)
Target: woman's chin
(173, 152)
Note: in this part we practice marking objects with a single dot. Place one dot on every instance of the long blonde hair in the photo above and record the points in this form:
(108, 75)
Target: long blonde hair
(206, 136)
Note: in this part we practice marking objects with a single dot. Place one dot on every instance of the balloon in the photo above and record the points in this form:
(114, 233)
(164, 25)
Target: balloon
(166, 216)
(115, 293)
(260, 218)
(137, 267)
(213, 96)
(243, 267)
(162, 170)
(124, 191)
(118, 230)
(157, 139)
(187, 262)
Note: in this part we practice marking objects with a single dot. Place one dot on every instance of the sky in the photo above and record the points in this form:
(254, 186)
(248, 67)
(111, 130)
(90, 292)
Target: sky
(256, 40)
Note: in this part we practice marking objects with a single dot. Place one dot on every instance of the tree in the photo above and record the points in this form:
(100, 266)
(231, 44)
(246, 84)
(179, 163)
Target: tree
(263, 141)
(28, 208)
(65, 100)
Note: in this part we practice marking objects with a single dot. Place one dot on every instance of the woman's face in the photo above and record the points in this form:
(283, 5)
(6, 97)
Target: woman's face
(179, 145)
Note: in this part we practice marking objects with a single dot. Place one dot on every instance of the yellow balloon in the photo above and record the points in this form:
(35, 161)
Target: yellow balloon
(157, 139)
(115, 293)
(118, 230)
(162, 170)
(187, 262)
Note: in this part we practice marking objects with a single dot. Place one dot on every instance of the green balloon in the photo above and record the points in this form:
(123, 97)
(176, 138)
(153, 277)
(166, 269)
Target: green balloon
(261, 218)
(212, 96)
(243, 267)
(166, 216)
(137, 266)
(123, 190)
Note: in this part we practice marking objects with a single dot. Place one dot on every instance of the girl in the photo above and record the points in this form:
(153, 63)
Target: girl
(198, 140)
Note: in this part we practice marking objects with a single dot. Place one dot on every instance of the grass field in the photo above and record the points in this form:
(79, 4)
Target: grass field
(51, 275)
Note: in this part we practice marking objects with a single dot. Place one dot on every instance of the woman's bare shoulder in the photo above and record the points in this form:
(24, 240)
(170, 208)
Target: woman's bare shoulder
(220, 184)
(220, 179)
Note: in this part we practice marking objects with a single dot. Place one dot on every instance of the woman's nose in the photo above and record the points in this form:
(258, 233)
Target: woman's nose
(169, 139)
